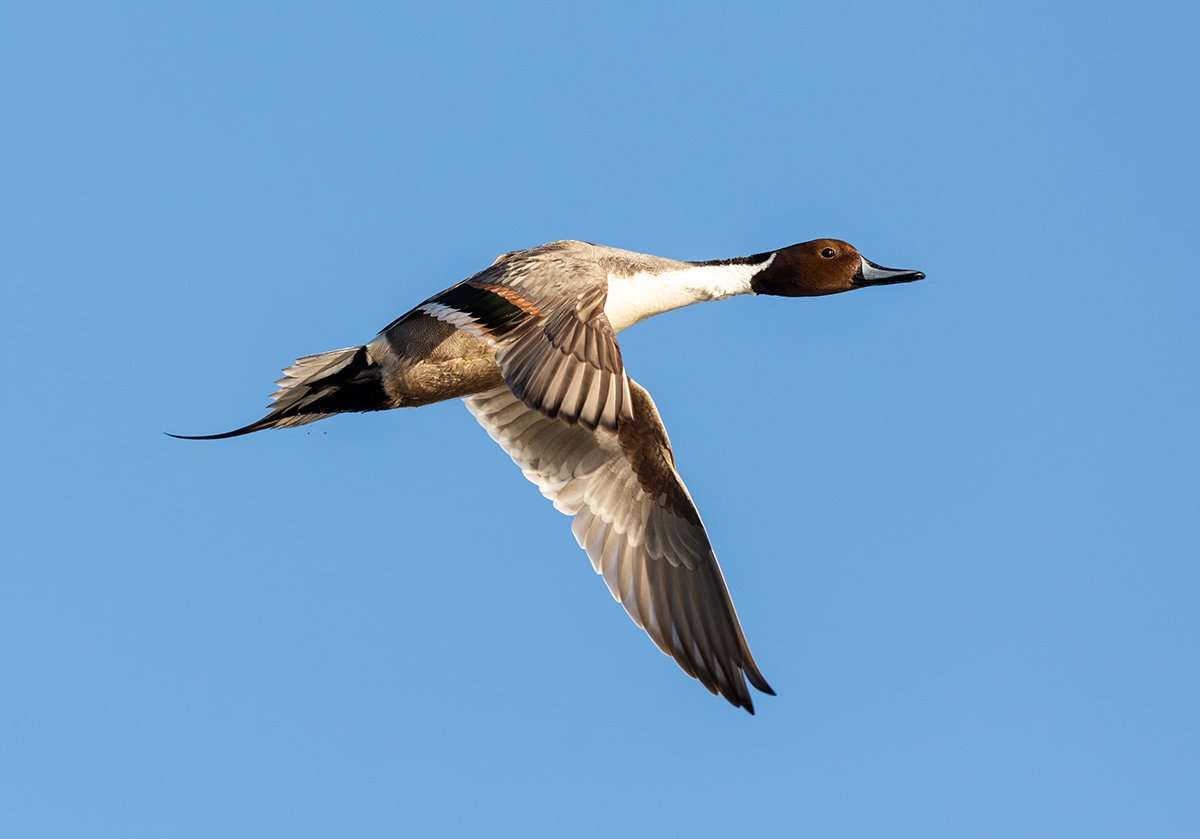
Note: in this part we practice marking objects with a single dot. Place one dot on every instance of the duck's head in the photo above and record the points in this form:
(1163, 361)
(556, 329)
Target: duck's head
(824, 266)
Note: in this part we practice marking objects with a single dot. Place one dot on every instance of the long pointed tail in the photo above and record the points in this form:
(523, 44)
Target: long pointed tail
(315, 387)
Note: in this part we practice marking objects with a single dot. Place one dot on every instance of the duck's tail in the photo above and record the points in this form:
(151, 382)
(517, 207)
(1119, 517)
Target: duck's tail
(315, 387)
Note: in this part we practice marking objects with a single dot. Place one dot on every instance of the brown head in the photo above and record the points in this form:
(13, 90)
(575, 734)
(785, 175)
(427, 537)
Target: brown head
(824, 266)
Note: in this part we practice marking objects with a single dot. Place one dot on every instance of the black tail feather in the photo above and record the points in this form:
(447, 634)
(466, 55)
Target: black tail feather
(314, 387)
(265, 422)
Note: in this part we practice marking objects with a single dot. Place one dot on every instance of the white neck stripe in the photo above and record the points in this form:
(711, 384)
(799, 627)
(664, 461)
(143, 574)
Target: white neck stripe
(637, 297)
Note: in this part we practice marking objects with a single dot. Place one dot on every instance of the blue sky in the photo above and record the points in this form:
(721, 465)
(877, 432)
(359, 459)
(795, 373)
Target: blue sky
(958, 517)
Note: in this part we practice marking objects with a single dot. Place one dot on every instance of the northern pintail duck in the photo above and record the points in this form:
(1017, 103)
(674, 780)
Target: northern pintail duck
(530, 344)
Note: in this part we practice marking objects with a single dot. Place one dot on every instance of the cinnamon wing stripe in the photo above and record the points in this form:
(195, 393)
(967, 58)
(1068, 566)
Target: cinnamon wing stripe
(510, 295)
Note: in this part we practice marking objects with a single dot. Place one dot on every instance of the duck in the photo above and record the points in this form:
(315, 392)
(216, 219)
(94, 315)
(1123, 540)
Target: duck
(529, 343)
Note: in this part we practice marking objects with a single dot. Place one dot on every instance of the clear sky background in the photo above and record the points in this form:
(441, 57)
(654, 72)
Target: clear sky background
(958, 517)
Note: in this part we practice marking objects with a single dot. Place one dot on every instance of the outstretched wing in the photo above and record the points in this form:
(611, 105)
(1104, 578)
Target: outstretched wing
(639, 526)
(543, 309)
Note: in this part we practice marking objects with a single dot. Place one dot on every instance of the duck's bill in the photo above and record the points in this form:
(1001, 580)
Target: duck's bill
(871, 274)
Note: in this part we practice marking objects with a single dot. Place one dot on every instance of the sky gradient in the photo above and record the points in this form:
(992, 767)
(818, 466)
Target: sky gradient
(958, 518)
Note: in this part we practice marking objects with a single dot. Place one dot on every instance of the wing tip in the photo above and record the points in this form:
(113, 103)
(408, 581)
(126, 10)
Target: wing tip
(760, 684)
(750, 669)
(742, 699)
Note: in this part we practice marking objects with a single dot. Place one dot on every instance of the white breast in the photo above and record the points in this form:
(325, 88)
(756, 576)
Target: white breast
(636, 297)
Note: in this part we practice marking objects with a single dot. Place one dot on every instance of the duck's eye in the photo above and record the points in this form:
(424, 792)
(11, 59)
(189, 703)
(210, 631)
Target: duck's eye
(828, 253)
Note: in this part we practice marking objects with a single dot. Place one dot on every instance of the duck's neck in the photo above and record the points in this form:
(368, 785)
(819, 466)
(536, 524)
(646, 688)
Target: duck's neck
(635, 297)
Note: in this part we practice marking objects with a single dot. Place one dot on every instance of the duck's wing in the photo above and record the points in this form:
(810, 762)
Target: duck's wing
(543, 310)
(641, 530)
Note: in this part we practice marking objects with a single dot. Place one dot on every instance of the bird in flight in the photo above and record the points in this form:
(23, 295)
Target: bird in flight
(530, 344)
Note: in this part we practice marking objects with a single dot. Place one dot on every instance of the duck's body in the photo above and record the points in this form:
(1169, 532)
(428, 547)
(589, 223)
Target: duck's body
(530, 344)
(439, 350)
